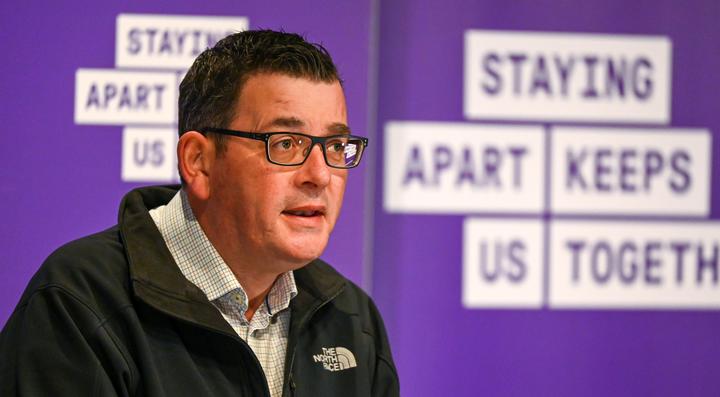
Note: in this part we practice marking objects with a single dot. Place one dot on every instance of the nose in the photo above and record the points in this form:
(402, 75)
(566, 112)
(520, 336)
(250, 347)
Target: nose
(314, 172)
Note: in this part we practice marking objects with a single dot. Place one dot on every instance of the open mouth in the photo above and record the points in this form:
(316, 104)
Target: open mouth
(303, 213)
(308, 211)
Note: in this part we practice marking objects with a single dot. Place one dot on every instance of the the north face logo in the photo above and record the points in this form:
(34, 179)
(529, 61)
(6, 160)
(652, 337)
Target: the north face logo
(335, 358)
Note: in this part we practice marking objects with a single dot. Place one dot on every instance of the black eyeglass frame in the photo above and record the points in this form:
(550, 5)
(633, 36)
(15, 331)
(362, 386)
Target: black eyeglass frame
(265, 137)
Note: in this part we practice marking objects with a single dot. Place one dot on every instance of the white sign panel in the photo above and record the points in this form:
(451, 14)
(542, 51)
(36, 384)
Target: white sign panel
(169, 41)
(567, 76)
(108, 96)
(149, 155)
(631, 171)
(605, 264)
(460, 168)
(502, 263)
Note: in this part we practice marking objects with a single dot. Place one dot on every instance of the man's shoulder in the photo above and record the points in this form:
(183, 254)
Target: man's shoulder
(85, 269)
(100, 260)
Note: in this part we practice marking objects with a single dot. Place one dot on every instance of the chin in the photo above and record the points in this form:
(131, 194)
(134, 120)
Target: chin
(304, 254)
(306, 257)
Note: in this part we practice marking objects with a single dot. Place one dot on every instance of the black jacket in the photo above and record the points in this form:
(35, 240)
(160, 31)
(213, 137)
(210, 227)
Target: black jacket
(111, 314)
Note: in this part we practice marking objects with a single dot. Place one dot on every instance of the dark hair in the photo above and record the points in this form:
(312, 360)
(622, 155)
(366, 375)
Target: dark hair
(211, 88)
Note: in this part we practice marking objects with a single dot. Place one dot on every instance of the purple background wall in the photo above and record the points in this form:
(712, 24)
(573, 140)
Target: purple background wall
(441, 347)
(61, 181)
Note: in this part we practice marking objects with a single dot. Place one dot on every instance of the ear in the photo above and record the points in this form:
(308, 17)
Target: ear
(195, 154)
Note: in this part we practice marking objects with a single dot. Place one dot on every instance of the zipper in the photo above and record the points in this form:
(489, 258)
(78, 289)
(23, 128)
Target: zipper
(291, 379)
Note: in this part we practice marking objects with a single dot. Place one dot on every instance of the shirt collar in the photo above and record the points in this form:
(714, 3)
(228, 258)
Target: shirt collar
(200, 262)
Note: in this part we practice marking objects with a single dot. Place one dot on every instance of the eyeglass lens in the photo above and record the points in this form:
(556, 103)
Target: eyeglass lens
(291, 149)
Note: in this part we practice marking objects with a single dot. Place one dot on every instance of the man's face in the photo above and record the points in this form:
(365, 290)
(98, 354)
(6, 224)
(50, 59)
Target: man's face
(279, 216)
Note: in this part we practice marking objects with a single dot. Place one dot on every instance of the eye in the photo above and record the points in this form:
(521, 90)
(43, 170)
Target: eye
(335, 145)
(284, 143)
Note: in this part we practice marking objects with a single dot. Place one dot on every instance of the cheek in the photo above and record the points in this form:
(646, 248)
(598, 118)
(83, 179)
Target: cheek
(337, 189)
(270, 194)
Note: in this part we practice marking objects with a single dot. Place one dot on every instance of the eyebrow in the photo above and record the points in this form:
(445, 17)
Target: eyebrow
(294, 122)
(339, 128)
(286, 122)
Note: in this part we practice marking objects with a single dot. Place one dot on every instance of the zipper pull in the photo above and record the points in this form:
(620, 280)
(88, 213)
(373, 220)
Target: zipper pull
(293, 386)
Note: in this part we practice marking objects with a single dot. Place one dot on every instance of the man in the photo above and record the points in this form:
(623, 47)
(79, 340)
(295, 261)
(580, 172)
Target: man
(214, 289)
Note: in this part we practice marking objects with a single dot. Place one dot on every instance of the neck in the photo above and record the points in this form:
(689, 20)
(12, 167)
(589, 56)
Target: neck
(252, 274)
(256, 286)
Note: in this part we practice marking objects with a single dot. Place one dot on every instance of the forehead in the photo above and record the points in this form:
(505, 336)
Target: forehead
(269, 101)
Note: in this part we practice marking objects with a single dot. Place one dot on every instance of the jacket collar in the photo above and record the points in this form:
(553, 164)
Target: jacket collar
(157, 280)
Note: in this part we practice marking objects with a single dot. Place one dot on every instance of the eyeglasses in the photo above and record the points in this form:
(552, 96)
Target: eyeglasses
(293, 148)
